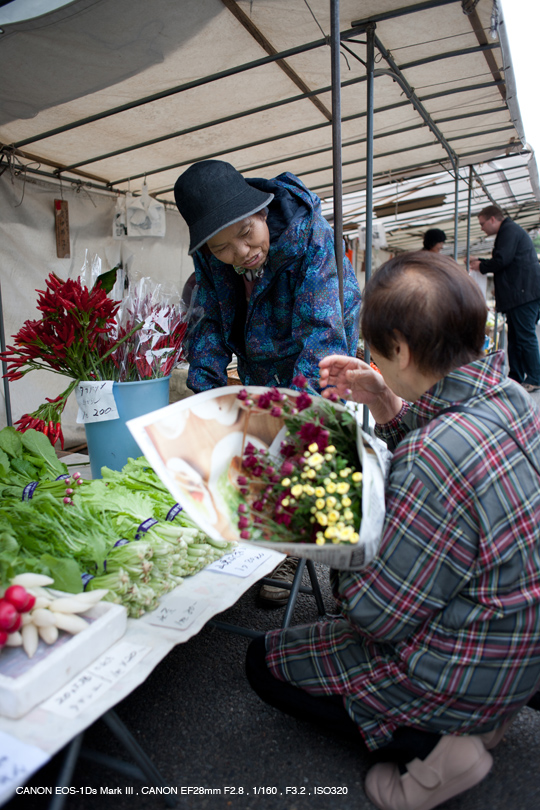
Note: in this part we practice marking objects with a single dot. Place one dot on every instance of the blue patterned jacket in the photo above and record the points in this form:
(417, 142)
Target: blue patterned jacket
(293, 318)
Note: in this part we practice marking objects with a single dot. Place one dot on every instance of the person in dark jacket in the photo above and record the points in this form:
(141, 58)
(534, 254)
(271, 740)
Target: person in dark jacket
(434, 240)
(267, 281)
(516, 274)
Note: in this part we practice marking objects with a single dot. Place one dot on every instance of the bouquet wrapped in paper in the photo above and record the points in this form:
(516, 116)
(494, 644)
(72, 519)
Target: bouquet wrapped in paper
(277, 467)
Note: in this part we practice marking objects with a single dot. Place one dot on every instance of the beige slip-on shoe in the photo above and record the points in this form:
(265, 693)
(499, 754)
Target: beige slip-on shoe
(455, 764)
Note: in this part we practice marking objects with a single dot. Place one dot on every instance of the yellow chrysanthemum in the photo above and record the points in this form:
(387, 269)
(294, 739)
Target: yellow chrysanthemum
(356, 476)
(333, 475)
(311, 474)
(330, 488)
(346, 501)
(355, 537)
(308, 489)
(322, 519)
(347, 514)
(330, 532)
(342, 488)
(319, 503)
(286, 482)
(297, 490)
(315, 459)
(346, 533)
(319, 492)
(313, 447)
(320, 540)
(333, 516)
(285, 502)
(344, 473)
(330, 449)
(331, 502)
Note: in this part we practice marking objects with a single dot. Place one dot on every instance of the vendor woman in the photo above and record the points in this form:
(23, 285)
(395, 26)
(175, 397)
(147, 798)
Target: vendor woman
(267, 278)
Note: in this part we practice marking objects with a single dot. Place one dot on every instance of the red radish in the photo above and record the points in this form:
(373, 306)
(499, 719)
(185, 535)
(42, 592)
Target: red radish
(10, 619)
(20, 598)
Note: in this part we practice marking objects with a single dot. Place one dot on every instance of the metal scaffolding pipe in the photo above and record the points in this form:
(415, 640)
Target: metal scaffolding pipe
(335, 43)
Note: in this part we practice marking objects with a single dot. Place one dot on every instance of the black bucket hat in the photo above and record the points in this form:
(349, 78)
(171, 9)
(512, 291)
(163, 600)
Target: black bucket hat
(211, 195)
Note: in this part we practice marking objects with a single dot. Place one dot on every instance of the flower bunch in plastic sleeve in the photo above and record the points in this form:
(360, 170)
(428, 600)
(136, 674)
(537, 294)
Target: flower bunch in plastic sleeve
(157, 347)
(310, 490)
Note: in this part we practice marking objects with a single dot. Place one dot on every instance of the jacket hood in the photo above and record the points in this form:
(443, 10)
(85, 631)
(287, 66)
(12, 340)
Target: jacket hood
(292, 200)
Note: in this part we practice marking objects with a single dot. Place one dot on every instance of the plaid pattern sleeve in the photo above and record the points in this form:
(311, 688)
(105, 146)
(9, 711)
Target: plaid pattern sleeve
(442, 630)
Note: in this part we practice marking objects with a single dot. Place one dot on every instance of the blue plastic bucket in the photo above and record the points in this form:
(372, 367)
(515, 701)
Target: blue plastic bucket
(110, 443)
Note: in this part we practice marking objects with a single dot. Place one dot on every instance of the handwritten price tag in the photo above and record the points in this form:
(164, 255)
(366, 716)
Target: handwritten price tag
(88, 686)
(179, 613)
(240, 562)
(96, 401)
(17, 762)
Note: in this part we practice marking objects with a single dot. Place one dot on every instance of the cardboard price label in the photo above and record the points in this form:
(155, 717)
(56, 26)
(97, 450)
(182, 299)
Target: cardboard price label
(96, 401)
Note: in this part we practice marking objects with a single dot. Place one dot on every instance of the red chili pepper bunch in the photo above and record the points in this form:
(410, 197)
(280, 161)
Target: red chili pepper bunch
(65, 339)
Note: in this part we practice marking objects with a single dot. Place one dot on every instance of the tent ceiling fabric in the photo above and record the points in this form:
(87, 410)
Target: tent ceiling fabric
(80, 84)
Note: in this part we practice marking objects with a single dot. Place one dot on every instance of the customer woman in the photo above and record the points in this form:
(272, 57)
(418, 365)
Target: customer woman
(437, 644)
(267, 282)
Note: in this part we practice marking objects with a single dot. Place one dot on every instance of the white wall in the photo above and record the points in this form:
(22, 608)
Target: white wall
(28, 255)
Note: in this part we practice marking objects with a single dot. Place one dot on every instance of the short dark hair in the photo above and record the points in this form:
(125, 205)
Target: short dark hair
(433, 303)
(492, 211)
(432, 237)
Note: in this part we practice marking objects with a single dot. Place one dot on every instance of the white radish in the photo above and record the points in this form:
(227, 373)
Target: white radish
(26, 618)
(69, 605)
(48, 634)
(69, 622)
(42, 618)
(30, 639)
(14, 640)
(32, 580)
(93, 597)
(42, 602)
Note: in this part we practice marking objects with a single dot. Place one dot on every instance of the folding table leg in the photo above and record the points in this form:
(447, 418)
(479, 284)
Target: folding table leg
(294, 592)
(316, 587)
(64, 777)
(131, 745)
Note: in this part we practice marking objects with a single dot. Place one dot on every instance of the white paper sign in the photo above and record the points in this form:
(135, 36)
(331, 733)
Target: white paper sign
(179, 612)
(72, 700)
(240, 562)
(96, 401)
(18, 761)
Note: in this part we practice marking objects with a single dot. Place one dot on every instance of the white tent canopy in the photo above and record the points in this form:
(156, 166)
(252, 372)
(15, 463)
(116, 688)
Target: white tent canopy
(98, 96)
(118, 90)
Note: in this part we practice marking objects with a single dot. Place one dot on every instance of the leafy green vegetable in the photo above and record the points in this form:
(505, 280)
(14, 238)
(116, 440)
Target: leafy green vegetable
(65, 572)
(10, 442)
(40, 448)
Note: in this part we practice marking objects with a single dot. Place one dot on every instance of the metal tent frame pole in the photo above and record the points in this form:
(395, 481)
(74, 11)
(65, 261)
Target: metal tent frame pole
(456, 213)
(469, 206)
(7, 397)
(370, 96)
(337, 178)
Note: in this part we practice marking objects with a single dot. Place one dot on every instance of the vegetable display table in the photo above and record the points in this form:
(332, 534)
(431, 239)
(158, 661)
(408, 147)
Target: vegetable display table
(26, 744)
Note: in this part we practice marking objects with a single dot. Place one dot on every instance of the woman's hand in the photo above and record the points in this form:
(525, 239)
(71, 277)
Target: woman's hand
(351, 378)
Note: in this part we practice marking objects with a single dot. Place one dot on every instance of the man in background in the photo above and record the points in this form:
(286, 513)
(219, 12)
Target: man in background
(516, 274)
